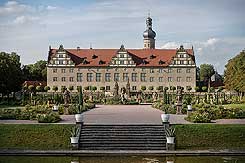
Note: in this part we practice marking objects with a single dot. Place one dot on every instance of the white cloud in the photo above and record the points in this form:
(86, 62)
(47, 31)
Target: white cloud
(174, 45)
(13, 7)
(51, 7)
(25, 19)
(211, 42)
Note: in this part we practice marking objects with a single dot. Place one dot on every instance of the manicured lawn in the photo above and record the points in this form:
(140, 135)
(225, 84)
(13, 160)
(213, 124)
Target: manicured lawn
(242, 106)
(34, 136)
(56, 136)
(210, 136)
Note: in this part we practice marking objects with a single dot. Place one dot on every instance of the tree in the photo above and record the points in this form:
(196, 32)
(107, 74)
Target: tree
(93, 88)
(10, 73)
(151, 88)
(188, 88)
(196, 89)
(206, 71)
(55, 88)
(204, 88)
(71, 88)
(234, 75)
(46, 88)
(160, 88)
(63, 88)
(36, 71)
(173, 88)
(102, 88)
(143, 88)
(38, 88)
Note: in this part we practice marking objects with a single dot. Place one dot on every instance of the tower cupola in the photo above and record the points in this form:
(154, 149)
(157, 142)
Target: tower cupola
(149, 35)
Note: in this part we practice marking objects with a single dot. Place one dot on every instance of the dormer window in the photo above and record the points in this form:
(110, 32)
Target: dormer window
(85, 62)
(101, 62)
(152, 56)
(94, 56)
(144, 62)
(161, 62)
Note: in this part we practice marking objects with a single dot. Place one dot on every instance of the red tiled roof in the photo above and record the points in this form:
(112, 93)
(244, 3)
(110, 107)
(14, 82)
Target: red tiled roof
(139, 56)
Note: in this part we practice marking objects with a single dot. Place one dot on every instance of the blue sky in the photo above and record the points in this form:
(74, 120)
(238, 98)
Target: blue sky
(216, 28)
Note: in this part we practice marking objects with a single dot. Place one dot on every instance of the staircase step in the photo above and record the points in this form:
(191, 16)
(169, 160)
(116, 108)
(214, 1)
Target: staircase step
(123, 148)
(122, 137)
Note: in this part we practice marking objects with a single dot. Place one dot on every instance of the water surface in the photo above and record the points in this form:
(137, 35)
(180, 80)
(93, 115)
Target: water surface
(129, 159)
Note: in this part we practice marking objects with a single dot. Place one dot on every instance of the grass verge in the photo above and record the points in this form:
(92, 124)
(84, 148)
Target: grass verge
(210, 136)
(35, 136)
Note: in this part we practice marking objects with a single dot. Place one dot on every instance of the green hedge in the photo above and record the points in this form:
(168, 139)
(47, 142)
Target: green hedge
(210, 136)
(35, 136)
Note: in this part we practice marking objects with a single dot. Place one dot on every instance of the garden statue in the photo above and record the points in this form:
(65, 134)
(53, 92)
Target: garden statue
(123, 94)
(179, 101)
(128, 89)
(154, 96)
(66, 96)
(116, 88)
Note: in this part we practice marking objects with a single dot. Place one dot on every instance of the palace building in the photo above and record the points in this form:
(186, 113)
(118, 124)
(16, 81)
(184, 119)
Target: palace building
(148, 67)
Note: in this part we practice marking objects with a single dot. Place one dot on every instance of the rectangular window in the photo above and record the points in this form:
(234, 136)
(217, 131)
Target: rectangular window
(160, 79)
(98, 77)
(134, 88)
(107, 88)
(134, 77)
(178, 70)
(182, 62)
(188, 79)
(79, 77)
(60, 62)
(54, 70)
(151, 79)
(71, 79)
(116, 77)
(60, 55)
(143, 77)
(71, 70)
(121, 62)
(170, 79)
(63, 70)
(63, 79)
(89, 77)
(151, 70)
(178, 79)
(55, 79)
(125, 77)
(160, 70)
(170, 70)
(107, 77)
(188, 70)
(121, 56)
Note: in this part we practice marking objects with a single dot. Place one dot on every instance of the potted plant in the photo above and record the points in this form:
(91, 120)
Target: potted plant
(170, 135)
(78, 115)
(75, 131)
(55, 107)
(188, 102)
(165, 116)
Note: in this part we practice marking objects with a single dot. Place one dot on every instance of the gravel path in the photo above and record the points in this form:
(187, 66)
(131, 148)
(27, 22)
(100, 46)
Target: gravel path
(124, 114)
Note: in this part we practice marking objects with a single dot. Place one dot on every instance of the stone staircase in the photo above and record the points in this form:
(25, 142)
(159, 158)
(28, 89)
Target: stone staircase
(122, 137)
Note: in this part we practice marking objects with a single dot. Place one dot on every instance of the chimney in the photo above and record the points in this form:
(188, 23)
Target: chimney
(78, 48)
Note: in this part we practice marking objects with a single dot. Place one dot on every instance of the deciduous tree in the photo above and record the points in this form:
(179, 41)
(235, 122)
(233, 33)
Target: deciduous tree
(206, 71)
(234, 75)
